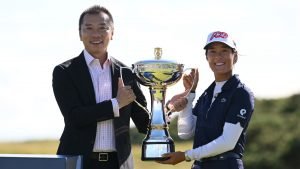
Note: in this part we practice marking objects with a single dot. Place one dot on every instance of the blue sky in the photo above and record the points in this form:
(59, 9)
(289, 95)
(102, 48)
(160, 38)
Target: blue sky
(37, 35)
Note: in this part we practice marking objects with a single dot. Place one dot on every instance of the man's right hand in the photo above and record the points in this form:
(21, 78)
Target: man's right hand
(125, 94)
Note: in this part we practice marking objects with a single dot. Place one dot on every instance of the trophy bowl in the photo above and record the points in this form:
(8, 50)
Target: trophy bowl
(157, 75)
(157, 72)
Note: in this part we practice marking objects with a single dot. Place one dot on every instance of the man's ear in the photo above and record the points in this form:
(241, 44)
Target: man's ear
(80, 35)
(112, 34)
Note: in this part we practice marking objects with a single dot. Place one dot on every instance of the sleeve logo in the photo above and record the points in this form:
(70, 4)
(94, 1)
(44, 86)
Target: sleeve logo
(242, 113)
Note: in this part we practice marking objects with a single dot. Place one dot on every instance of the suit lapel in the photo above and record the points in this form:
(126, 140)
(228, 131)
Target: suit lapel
(115, 74)
(83, 78)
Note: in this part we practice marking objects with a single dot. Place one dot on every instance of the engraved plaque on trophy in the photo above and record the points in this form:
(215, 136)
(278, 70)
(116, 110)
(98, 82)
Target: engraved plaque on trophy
(157, 75)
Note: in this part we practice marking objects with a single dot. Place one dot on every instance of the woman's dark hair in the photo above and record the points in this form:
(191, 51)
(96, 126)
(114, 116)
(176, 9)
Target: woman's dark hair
(96, 9)
(233, 50)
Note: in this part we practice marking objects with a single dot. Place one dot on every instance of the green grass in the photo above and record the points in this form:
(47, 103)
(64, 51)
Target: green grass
(50, 146)
(29, 147)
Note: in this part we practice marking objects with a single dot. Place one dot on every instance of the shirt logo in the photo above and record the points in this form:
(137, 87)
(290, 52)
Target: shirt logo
(242, 113)
(223, 100)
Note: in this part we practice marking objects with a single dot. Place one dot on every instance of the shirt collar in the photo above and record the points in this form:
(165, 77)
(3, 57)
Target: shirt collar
(232, 82)
(218, 86)
(89, 58)
(228, 84)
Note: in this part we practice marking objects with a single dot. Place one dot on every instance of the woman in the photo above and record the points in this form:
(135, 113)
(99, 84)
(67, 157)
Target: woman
(220, 118)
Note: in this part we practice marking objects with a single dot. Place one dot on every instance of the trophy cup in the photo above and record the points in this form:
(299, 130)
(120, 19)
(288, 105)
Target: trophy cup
(157, 75)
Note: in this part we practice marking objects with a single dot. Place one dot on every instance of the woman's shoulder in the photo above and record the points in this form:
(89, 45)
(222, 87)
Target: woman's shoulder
(244, 94)
(243, 88)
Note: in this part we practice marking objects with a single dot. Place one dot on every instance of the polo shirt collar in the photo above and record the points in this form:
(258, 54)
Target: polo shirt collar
(232, 81)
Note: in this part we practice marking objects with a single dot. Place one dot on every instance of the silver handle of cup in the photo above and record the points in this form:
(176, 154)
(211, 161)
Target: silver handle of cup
(170, 111)
(135, 101)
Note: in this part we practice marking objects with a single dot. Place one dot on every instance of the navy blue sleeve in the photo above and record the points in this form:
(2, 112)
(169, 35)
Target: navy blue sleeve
(195, 109)
(198, 105)
(241, 107)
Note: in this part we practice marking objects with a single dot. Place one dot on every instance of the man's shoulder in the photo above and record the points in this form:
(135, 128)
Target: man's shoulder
(71, 62)
(117, 62)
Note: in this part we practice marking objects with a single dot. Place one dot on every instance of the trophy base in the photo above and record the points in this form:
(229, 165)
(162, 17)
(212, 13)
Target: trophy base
(153, 151)
(155, 159)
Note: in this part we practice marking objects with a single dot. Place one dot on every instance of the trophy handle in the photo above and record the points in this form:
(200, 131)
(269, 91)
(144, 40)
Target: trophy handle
(170, 111)
(128, 80)
(131, 73)
(186, 69)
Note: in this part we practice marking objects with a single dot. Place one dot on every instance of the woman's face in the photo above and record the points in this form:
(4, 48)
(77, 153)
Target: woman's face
(221, 59)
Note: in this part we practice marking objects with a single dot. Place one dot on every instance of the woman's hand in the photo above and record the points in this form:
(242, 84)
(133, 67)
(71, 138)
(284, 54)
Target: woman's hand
(190, 81)
(173, 158)
(177, 102)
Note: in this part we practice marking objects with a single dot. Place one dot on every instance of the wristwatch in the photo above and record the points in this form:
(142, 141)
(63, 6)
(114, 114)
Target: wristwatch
(187, 158)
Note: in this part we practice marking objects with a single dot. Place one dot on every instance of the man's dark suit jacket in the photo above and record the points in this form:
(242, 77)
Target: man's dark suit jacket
(74, 93)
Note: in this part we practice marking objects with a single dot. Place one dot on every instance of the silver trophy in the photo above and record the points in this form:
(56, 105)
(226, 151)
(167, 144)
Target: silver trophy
(157, 75)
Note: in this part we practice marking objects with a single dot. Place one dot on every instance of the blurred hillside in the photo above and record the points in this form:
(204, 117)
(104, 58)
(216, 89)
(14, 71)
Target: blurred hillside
(273, 136)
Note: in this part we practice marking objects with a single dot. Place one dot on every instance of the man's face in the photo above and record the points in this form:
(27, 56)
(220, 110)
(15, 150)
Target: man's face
(96, 33)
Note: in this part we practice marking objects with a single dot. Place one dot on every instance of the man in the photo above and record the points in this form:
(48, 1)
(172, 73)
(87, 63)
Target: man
(94, 102)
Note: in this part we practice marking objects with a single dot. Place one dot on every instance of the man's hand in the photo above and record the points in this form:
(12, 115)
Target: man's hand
(174, 158)
(125, 94)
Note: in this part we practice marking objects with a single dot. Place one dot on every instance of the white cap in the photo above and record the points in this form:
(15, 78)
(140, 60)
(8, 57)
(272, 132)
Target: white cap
(222, 37)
